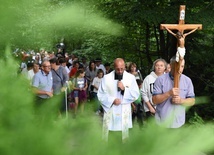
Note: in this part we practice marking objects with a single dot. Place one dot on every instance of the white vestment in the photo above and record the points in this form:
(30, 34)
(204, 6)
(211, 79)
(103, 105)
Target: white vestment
(117, 117)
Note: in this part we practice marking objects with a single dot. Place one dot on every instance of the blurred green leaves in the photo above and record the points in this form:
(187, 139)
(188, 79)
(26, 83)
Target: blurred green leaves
(38, 23)
(22, 131)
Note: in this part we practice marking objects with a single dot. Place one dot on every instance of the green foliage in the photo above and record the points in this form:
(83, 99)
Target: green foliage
(36, 24)
(23, 131)
(196, 120)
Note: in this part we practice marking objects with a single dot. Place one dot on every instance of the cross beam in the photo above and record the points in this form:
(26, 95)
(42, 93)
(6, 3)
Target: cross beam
(181, 27)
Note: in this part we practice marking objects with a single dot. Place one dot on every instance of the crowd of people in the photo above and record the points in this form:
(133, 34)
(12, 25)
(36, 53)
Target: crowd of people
(119, 91)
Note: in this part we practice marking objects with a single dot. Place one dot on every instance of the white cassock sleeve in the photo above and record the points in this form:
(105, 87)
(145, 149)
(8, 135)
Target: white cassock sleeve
(103, 94)
(107, 91)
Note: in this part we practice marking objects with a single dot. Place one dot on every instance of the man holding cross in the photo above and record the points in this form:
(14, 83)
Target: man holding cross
(171, 101)
(174, 91)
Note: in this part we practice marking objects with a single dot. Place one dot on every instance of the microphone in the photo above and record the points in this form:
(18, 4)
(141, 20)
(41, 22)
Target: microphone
(119, 79)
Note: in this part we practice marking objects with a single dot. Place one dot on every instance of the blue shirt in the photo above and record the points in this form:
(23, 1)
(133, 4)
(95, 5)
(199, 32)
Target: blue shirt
(43, 82)
(172, 115)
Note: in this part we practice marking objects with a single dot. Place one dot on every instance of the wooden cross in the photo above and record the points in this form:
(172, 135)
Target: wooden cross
(181, 26)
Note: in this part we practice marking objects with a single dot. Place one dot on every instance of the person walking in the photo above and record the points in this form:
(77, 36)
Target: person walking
(158, 68)
(172, 102)
(118, 89)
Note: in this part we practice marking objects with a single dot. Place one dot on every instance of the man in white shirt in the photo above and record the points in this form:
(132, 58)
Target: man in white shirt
(33, 71)
(99, 65)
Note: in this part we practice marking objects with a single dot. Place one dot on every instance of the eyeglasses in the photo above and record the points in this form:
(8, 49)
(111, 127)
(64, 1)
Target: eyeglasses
(47, 66)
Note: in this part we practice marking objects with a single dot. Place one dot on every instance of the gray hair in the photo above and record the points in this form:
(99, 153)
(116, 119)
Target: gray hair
(154, 63)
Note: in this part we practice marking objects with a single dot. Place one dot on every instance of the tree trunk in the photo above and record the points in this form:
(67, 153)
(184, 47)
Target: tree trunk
(163, 51)
(147, 43)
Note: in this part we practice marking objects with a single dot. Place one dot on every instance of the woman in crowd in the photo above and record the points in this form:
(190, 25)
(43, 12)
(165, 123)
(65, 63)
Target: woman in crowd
(133, 70)
(90, 74)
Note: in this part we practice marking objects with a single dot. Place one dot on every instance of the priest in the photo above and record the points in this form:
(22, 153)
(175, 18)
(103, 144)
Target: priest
(117, 91)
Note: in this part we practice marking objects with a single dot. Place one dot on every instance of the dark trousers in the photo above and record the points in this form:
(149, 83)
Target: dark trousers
(139, 114)
(149, 115)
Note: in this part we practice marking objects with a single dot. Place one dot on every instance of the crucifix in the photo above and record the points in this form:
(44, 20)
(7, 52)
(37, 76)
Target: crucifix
(180, 35)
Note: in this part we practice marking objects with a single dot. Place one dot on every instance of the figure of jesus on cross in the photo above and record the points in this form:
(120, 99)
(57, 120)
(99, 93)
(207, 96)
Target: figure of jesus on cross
(180, 35)
(180, 42)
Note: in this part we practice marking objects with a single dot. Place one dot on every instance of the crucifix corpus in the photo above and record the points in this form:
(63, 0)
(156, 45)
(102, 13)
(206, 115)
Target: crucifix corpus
(180, 35)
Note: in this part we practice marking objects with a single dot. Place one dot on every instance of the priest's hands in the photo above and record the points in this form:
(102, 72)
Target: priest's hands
(117, 101)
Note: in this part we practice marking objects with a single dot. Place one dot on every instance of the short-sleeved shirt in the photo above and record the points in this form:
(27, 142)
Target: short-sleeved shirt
(90, 74)
(79, 82)
(101, 66)
(43, 82)
(96, 82)
(171, 114)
